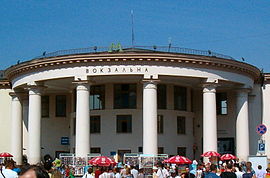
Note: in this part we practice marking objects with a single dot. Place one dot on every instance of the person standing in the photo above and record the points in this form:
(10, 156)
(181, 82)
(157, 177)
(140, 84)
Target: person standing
(8, 172)
(134, 172)
(260, 173)
(213, 172)
(89, 173)
(248, 173)
(228, 173)
(238, 172)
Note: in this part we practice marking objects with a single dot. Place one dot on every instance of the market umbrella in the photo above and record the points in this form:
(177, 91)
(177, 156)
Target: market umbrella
(227, 157)
(5, 155)
(178, 160)
(102, 161)
(210, 154)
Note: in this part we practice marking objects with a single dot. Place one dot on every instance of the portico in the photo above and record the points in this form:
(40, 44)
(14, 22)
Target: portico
(124, 101)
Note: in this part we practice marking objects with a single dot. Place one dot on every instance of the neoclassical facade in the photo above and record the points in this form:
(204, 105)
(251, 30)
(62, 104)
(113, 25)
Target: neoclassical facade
(135, 100)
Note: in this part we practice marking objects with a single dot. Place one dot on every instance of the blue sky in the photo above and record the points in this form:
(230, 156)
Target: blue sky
(238, 28)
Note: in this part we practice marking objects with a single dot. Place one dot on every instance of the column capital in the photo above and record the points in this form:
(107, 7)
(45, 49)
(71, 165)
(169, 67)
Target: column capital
(82, 85)
(243, 90)
(209, 87)
(17, 94)
(150, 83)
(35, 89)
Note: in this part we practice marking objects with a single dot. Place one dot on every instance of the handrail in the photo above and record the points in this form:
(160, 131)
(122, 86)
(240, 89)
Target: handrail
(167, 49)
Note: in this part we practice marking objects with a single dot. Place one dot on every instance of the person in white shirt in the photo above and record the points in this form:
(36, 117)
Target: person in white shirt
(238, 172)
(89, 173)
(105, 174)
(160, 173)
(134, 172)
(165, 172)
(8, 172)
(260, 173)
(117, 173)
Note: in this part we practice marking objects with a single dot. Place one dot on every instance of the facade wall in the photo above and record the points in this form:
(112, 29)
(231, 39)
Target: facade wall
(109, 140)
(5, 120)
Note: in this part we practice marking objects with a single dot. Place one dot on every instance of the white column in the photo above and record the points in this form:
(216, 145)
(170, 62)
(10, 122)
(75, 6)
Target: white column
(25, 106)
(34, 125)
(150, 145)
(16, 128)
(242, 130)
(209, 118)
(266, 118)
(82, 120)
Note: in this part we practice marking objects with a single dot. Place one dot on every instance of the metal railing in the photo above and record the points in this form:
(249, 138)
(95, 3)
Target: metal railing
(154, 48)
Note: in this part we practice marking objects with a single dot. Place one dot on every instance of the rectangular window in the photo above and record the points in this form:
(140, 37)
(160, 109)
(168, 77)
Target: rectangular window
(124, 123)
(95, 150)
(45, 106)
(160, 124)
(162, 96)
(160, 150)
(60, 104)
(97, 97)
(180, 98)
(140, 149)
(181, 125)
(125, 96)
(221, 100)
(74, 126)
(74, 99)
(94, 124)
(181, 151)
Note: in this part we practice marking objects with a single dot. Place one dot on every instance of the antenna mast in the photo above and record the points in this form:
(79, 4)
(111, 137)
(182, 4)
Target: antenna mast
(132, 30)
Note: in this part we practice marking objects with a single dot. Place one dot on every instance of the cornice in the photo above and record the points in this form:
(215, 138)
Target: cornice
(169, 58)
(5, 84)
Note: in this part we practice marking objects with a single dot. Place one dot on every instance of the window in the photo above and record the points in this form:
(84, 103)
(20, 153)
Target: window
(74, 99)
(125, 96)
(160, 150)
(97, 97)
(181, 125)
(161, 96)
(94, 124)
(140, 149)
(124, 124)
(160, 124)
(74, 126)
(222, 107)
(95, 150)
(180, 98)
(60, 103)
(181, 151)
(45, 106)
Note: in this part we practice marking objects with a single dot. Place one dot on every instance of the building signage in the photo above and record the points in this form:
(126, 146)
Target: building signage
(115, 70)
(64, 140)
(261, 147)
(261, 129)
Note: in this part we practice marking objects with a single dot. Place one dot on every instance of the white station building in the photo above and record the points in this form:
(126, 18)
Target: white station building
(135, 100)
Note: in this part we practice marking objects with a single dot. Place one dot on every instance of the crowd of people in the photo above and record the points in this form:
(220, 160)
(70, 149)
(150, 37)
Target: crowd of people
(55, 169)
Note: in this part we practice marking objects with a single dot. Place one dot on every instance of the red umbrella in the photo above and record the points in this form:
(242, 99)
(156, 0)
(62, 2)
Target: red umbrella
(5, 155)
(210, 154)
(227, 157)
(101, 161)
(178, 160)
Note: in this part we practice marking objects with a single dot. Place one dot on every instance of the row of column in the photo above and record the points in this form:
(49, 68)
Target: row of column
(150, 137)
(210, 121)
